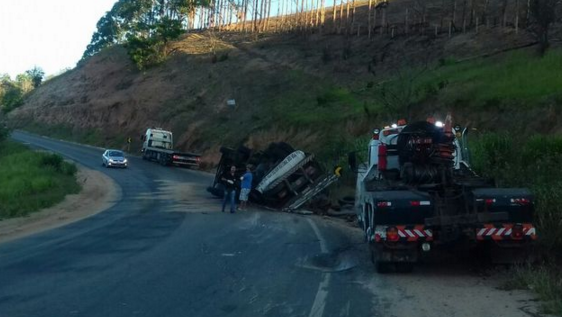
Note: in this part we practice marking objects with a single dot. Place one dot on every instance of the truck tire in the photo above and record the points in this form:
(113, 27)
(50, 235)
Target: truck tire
(383, 267)
(163, 160)
(226, 150)
(367, 212)
(244, 151)
(285, 147)
(404, 267)
(347, 200)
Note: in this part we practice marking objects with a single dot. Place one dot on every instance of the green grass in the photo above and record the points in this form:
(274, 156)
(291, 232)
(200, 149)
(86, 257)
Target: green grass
(83, 136)
(30, 181)
(66, 132)
(519, 78)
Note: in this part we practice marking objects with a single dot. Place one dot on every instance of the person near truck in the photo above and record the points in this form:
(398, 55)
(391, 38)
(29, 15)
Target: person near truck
(229, 181)
(246, 187)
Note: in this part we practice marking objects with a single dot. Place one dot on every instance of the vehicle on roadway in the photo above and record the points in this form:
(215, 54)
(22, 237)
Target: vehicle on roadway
(158, 145)
(114, 158)
(417, 193)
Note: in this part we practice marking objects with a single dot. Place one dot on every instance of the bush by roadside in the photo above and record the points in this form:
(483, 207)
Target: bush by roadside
(30, 181)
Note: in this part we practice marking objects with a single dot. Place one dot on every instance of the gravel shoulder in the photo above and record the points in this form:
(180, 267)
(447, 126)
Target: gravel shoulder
(99, 192)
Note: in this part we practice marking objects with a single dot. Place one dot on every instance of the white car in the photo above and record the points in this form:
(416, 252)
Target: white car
(114, 158)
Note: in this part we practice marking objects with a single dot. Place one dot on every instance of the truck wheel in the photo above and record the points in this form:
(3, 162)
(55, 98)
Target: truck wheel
(285, 147)
(226, 150)
(404, 267)
(383, 267)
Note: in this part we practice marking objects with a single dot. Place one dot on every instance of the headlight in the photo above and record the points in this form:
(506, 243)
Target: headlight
(124, 160)
(111, 160)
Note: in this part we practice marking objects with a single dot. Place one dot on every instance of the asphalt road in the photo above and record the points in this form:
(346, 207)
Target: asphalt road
(165, 249)
(160, 253)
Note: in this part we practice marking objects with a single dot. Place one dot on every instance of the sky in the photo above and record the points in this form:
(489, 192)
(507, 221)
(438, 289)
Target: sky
(51, 34)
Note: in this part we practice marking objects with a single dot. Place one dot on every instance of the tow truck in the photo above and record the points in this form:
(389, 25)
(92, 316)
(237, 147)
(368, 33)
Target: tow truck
(417, 192)
(158, 146)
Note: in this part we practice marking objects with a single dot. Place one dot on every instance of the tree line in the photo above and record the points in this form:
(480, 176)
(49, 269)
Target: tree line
(12, 92)
(146, 27)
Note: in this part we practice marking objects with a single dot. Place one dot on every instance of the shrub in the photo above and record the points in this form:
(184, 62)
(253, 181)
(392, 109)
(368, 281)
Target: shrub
(52, 160)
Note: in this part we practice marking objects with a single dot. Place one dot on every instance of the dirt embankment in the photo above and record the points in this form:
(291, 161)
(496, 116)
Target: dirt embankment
(276, 80)
(98, 193)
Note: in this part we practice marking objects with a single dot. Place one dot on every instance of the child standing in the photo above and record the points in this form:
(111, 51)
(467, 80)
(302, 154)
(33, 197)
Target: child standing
(246, 187)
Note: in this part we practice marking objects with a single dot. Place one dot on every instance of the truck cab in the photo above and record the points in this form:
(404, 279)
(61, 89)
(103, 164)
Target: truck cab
(157, 138)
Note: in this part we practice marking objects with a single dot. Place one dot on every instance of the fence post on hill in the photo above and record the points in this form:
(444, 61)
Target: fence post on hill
(375, 17)
(347, 17)
(383, 21)
(436, 32)
(476, 25)
(454, 13)
(334, 14)
(450, 28)
(406, 22)
(353, 12)
(323, 12)
(517, 17)
(341, 16)
(369, 18)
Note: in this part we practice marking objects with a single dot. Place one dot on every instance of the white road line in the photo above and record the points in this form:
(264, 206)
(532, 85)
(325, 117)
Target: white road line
(319, 303)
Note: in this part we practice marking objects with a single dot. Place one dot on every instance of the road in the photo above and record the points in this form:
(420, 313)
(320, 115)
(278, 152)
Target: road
(165, 249)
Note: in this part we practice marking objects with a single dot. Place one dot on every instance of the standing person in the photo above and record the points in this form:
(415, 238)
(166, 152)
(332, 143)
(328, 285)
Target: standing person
(246, 187)
(229, 181)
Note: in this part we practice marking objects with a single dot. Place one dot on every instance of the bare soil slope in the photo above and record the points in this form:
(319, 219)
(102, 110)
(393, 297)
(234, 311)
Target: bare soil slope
(283, 84)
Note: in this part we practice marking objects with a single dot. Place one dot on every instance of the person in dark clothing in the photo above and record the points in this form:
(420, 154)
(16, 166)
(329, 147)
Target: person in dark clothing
(229, 181)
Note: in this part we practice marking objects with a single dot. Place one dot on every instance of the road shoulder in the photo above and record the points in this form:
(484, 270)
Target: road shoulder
(99, 192)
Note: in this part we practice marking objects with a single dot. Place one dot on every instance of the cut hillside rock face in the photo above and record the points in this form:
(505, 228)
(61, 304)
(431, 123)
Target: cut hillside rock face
(284, 178)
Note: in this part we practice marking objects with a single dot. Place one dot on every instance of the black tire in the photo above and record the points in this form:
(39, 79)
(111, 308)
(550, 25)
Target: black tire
(162, 160)
(285, 147)
(404, 267)
(277, 153)
(383, 267)
(366, 222)
(226, 150)
(244, 151)
(348, 200)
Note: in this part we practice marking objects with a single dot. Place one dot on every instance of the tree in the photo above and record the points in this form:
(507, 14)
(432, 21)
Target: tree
(149, 51)
(11, 96)
(36, 74)
(543, 13)
(24, 82)
(145, 26)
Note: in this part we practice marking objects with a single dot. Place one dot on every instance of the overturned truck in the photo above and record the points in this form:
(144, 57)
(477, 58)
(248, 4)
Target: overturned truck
(284, 178)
